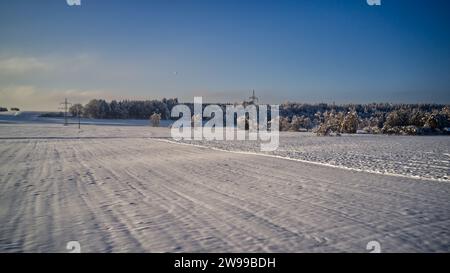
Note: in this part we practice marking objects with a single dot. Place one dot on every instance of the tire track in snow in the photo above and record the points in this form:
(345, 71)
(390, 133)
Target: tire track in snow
(132, 195)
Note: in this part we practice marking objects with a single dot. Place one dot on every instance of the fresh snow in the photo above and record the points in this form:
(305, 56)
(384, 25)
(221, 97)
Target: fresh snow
(423, 157)
(131, 189)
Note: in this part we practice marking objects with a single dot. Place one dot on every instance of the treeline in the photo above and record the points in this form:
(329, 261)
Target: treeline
(326, 119)
(126, 109)
(14, 109)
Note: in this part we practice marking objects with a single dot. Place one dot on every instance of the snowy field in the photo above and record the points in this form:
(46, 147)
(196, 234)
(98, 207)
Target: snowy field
(424, 157)
(130, 189)
(35, 118)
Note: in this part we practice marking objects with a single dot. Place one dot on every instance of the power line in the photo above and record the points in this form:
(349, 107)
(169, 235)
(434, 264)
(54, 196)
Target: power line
(65, 107)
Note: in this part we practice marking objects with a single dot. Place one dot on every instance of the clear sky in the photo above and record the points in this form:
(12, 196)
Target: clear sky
(305, 50)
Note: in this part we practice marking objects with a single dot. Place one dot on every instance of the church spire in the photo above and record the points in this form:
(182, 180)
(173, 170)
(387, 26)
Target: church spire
(254, 99)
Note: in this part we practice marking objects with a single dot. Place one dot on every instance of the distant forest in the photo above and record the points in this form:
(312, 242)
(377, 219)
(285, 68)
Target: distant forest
(324, 119)
(126, 109)
(13, 109)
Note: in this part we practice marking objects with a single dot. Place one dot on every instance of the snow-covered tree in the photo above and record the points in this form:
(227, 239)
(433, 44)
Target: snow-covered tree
(155, 119)
(76, 110)
(350, 123)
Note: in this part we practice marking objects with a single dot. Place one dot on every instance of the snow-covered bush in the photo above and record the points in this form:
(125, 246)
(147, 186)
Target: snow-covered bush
(196, 119)
(155, 119)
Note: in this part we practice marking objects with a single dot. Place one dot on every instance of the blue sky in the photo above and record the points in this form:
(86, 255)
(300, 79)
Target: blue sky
(308, 51)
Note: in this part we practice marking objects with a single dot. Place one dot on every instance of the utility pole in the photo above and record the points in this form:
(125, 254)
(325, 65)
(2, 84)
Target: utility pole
(79, 117)
(65, 108)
